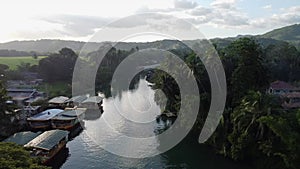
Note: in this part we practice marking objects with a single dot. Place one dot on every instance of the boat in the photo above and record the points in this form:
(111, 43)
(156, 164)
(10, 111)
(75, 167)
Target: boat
(75, 101)
(47, 144)
(43, 119)
(93, 103)
(22, 138)
(57, 102)
(67, 119)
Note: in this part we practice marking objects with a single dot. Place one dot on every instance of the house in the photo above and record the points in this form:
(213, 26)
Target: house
(93, 102)
(27, 111)
(48, 144)
(292, 100)
(43, 119)
(281, 88)
(25, 97)
(58, 102)
(19, 96)
(23, 83)
(67, 119)
(22, 138)
(75, 101)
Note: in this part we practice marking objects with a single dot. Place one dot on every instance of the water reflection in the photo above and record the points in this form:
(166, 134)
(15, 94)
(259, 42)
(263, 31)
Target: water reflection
(92, 114)
(86, 152)
(60, 158)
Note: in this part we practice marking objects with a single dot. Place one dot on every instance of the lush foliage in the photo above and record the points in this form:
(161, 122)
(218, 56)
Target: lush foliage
(254, 128)
(13, 156)
(58, 66)
(6, 114)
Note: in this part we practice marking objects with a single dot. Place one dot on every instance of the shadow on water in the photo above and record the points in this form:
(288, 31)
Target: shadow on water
(190, 154)
(86, 153)
(76, 131)
(59, 159)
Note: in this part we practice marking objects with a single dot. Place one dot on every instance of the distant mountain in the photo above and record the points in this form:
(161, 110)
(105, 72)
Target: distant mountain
(42, 46)
(289, 34)
(46, 46)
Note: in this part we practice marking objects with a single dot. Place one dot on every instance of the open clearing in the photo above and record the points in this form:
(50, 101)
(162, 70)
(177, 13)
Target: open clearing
(14, 61)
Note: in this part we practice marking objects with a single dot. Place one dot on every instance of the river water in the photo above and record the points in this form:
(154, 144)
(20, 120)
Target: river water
(85, 151)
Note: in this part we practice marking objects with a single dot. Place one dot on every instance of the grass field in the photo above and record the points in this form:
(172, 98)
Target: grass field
(14, 61)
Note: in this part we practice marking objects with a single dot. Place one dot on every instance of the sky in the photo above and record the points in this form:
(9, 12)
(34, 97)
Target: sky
(80, 20)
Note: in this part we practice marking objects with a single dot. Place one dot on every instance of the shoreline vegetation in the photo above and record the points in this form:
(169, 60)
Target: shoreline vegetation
(254, 130)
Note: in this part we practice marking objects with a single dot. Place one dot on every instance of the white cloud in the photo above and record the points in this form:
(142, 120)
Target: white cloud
(33, 19)
(201, 11)
(288, 16)
(78, 25)
(224, 4)
(216, 15)
(184, 4)
(268, 7)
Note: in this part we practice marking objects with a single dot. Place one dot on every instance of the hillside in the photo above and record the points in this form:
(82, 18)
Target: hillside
(289, 34)
(46, 46)
(42, 46)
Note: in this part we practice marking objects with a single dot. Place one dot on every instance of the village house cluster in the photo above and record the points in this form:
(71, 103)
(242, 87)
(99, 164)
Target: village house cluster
(48, 128)
(288, 93)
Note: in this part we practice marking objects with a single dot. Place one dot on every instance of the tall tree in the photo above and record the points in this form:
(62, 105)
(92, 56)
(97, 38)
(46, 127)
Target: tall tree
(58, 66)
(250, 73)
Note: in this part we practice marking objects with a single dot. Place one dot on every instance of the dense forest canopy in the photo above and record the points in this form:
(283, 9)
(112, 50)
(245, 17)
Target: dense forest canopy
(254, 128)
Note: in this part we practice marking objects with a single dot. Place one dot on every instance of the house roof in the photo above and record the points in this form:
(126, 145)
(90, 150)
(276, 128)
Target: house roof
(22, 138)
(69, 114)
(20, 94)
(281, 85)
(29, 108)
(46, 115)
(48, 139)
(21, 90)
(76, 99)
(93, 99)
(291, 105)
(292, 95)
(58, 100)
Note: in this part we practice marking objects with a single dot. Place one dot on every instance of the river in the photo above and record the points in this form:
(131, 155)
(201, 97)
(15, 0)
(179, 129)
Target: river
(85, 151)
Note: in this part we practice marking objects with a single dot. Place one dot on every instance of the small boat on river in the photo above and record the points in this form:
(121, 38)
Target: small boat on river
(93, 103)
(48, 144)
(67, 119)
(43, 119)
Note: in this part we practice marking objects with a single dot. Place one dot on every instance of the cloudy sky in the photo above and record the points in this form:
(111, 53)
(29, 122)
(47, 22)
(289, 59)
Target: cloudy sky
(66, 19)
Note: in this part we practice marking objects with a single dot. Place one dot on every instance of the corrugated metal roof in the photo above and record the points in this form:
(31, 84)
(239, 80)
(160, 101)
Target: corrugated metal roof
(22, 138)
(69, 114)
(48, 139)
(46, 115)
(58, 100)
(76, 99)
